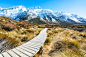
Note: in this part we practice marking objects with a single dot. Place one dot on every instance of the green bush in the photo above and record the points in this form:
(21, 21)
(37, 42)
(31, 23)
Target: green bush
(7, 28)
(76, 44)
(48, 35)
(48, 40)
(23, 32)
(24, 39)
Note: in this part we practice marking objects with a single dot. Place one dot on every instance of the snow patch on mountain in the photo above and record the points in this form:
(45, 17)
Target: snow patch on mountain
(20, 11)
(12, 12)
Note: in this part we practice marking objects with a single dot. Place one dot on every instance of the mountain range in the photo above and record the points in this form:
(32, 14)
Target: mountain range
(20, 12)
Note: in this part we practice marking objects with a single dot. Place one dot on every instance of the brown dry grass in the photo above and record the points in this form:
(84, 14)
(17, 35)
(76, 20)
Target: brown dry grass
(65, 43)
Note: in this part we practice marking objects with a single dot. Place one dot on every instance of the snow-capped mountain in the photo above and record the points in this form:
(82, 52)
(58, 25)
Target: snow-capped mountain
(19, 12)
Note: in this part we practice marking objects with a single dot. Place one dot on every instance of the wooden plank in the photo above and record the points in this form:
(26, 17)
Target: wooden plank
(30, 43)
(35, 49)
(5, 54)
(27, 43)
(29, 50)
(33, 46)
(12, 53)
(19, 53)
(25, 52)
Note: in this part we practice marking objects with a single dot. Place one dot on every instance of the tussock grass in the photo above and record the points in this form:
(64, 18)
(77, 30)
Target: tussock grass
(70, 42)
(47, 41)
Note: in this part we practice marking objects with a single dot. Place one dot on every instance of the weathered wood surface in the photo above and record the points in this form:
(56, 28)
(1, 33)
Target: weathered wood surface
(29, 49)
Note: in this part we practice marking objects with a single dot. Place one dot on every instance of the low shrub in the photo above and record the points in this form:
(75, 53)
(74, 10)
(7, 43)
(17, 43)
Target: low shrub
(37, 33)
(3, 36)
(55, 31)
(84, 48)
(23, 32)
(48, 35)
(24, 39)
(7, 28)
(76, 44)
(31, 31)
(47, 41)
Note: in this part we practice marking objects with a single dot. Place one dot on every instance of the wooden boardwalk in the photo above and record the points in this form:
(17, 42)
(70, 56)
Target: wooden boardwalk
(29, 49)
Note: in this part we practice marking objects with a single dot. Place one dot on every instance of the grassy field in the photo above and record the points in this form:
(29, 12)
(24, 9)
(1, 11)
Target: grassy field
(64, 42)
(15, 33)
(61, 41)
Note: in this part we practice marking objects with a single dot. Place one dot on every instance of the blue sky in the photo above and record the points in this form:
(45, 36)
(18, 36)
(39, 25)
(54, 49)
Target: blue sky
(72, 6)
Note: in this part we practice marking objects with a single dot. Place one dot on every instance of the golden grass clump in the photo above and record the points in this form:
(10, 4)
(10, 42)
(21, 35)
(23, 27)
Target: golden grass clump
(47, 41)
(69, 42)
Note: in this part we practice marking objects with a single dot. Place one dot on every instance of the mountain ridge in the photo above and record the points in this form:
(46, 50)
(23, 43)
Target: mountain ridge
(20, 11)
